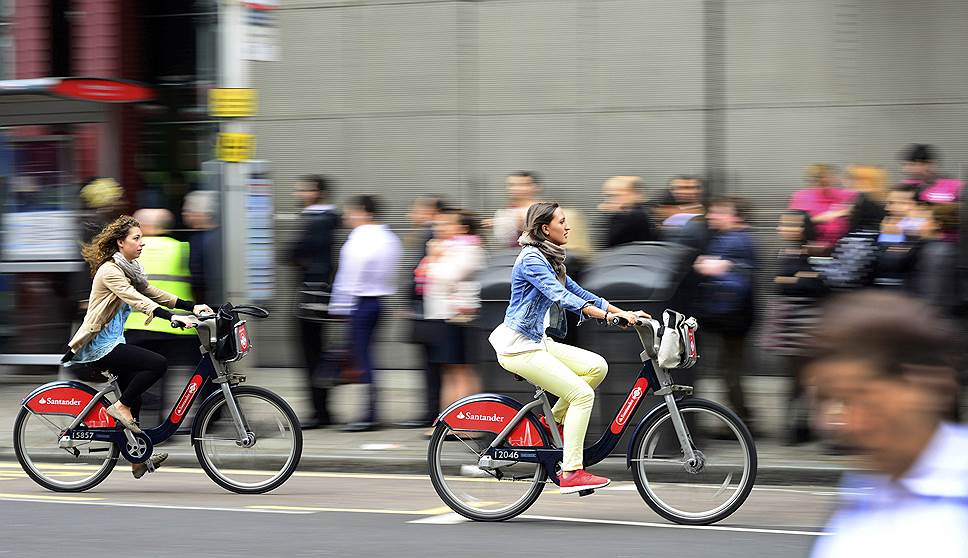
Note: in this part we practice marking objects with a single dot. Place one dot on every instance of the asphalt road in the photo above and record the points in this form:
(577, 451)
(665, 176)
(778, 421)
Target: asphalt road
(180, 512)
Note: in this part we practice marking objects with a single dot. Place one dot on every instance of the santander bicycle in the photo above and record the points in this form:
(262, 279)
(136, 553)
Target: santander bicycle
(693, 460)
(247, 439)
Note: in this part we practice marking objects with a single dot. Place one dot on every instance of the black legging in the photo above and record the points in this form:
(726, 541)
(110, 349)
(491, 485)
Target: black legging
(137, 370)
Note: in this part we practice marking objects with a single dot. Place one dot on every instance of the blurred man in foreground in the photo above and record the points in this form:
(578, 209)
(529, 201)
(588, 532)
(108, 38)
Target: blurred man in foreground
(884, 386)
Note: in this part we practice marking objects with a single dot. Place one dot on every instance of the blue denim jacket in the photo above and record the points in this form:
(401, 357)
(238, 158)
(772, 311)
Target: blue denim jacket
(534, 288)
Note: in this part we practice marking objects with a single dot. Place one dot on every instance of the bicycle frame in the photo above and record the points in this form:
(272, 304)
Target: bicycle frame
(207, 370)
(651, 380)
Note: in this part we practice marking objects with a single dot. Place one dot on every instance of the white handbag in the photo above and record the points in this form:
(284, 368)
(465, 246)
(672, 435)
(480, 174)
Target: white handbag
(677, 347)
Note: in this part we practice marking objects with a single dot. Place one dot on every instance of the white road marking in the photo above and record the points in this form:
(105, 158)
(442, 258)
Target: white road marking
(674, 526)
(39, 500)
(444, 519)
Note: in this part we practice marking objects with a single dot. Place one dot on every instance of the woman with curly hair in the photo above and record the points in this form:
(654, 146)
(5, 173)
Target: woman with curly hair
(120, 284)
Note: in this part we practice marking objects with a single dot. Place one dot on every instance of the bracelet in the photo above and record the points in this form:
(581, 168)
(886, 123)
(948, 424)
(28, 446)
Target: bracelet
(606, 315)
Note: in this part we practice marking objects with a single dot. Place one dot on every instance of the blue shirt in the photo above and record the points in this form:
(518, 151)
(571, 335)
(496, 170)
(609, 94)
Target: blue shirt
(926, 508)
(534, 288)
(110, 336)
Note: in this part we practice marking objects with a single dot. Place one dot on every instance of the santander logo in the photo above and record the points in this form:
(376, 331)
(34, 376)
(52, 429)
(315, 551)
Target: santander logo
(72, 402)
(186, 398)
(626, 411)
(480, 418)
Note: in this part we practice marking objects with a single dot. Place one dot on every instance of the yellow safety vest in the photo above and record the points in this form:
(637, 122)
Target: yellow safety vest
(166, 264)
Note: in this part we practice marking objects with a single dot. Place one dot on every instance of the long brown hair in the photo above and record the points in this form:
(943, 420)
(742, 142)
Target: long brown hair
(539, 214)
(103, 246)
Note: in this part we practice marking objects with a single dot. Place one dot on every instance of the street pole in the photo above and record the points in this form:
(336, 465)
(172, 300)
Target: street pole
(233, 72)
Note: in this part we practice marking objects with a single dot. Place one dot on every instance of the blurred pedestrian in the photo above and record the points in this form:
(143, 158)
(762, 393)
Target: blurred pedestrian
(870, 184)
(919, 164)
(200, 214)
(801, 289)
(628, 216)
(829, 205)
(424, 215)
(935, 275)
(165, 262)
(897, 242)
(686, 195)
(522, 188)
(452, 298)
(726, 291)
(313, 252)
(367, 264)
(884, 385)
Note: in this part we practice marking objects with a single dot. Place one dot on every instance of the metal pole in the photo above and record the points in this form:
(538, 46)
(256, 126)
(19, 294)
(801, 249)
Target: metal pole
(233, 72)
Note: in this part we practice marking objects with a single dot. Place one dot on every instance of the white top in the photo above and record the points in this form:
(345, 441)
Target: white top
(450, 280)
(927, 508)
(507, 342)
(367, 265)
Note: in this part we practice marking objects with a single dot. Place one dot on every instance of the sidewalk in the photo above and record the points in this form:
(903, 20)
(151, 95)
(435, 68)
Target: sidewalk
(394, 450)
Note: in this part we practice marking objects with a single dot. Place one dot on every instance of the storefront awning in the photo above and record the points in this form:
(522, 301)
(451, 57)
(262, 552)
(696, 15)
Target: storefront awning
(65, 100)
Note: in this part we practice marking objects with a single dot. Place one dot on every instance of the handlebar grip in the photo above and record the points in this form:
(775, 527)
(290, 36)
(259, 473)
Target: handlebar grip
(620, 321)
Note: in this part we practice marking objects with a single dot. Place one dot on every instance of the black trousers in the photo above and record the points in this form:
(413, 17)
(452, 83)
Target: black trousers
(731, 356)
(311, 337)
(181, 351)
(137, 370)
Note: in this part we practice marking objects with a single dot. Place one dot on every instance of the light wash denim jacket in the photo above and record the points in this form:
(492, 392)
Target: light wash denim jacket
(534, 288)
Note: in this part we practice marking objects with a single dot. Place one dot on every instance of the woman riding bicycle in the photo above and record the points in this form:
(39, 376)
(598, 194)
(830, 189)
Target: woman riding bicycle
(119, 285)
(540, 288)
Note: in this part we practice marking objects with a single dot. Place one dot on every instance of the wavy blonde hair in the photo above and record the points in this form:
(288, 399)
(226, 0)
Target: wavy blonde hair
(103, 246)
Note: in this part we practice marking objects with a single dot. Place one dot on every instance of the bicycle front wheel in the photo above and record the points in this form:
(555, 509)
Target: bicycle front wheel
(35, 441)
(482, 495)
(707, 490)
(253, 468)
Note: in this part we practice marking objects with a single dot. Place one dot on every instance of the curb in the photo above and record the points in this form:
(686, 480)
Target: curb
(776, 474)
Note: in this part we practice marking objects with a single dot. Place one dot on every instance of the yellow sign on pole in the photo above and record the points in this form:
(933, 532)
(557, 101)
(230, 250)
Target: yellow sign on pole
(231, 102)
(235, 147)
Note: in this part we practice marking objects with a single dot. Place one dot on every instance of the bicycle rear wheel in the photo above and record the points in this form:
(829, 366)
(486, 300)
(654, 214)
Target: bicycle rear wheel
(703, 492)
(264, 465)
(35, 441)
(481, 495)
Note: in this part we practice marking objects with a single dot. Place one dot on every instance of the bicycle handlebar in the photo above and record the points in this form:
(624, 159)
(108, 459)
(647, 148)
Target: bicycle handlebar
(622, 322)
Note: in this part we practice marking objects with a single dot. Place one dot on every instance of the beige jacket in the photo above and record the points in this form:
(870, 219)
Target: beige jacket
(110, 290)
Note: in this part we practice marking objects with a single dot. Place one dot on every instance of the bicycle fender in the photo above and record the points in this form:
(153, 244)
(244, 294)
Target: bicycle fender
(492, 412)
(68, 397)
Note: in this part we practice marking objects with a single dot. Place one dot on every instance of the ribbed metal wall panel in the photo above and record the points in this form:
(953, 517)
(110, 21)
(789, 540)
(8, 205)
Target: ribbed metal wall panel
(405, 97)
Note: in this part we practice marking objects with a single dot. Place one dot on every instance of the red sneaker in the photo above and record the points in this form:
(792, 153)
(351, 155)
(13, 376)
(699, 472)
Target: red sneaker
(561, 429)
(581, 480)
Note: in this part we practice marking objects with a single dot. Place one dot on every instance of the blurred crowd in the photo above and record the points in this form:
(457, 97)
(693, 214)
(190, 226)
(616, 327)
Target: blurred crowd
(842, 231)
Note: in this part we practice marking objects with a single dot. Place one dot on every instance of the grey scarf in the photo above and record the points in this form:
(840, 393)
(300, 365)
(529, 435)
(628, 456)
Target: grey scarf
(550, 250)
(133, 271)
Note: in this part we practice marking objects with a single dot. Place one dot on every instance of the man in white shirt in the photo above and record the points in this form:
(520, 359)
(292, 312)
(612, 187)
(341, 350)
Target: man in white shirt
(885, 388)
(367, 266)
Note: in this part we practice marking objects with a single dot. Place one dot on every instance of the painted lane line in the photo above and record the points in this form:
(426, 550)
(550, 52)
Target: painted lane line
(37, 500)
(313, 509)
(445, 519)
(45, 497)
(674, 526)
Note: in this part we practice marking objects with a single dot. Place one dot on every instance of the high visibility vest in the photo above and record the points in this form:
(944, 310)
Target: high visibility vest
(166, 264)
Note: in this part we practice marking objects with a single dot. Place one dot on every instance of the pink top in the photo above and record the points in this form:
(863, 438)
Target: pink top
(816, 201)
(942, 191)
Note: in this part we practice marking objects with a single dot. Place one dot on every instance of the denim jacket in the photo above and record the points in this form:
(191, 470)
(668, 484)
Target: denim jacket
(534, 288)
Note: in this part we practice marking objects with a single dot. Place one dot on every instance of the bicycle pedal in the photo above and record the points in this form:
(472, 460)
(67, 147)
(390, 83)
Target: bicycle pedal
(586, 492)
